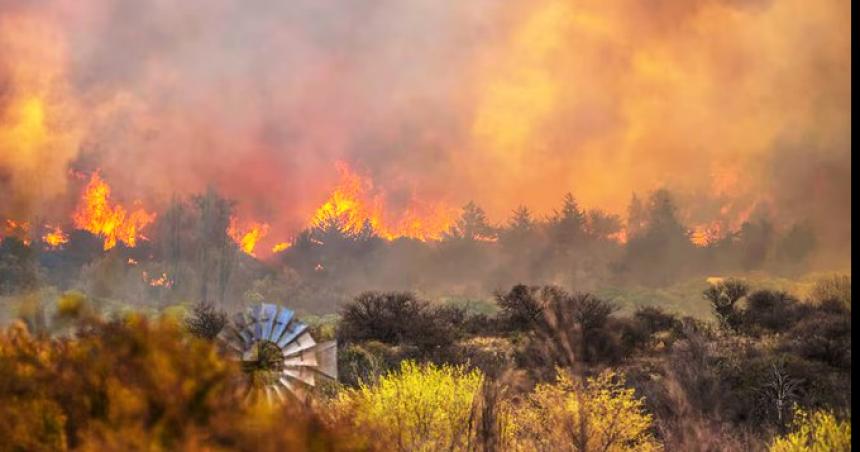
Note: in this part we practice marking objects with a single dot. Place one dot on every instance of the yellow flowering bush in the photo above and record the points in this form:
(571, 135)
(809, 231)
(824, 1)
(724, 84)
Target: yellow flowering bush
(138, 384)
(600, 414)
(425, 407)
(819, 431)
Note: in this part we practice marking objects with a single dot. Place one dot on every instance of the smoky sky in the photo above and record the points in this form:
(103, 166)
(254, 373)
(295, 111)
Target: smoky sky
(730, 104)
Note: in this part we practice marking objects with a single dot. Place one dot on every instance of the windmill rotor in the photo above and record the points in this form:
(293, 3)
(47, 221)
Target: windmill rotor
(277, 352)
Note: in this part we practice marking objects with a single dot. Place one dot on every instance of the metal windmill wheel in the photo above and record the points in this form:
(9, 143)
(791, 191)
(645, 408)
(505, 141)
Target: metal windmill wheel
(277, 352)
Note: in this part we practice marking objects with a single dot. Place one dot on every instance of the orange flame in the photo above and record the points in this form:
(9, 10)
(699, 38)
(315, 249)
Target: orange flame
(112, 222)
(353, 203)
(247, 239)
(731, 218)
(55, 237)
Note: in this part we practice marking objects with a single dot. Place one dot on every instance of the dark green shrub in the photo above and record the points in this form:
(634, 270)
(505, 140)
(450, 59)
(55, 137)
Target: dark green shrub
(724, 297)
(772, 311)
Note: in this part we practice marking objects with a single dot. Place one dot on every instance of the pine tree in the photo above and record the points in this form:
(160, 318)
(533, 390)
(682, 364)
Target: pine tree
(521, 223)
(602, 225)
(636, 218)
(568, 225)
(519, 232)
(472, 224)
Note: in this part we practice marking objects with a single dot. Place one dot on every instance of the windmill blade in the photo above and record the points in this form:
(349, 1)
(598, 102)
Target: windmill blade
(268, 390)
(327, 359)
(307, 358)
(237, 356)
(302, 374)
(303, 342)
(256, 312)
(284, 317)
(243, 327)
(269, 311)
(297, 390)
(285, 382)
(250, 355)
(293, 330)
(232, 339)
(277, 390)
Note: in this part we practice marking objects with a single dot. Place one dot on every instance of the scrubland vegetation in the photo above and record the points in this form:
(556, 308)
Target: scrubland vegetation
(546, 370)
(635, 345)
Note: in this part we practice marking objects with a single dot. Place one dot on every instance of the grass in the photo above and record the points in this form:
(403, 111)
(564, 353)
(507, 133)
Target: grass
(685, 297)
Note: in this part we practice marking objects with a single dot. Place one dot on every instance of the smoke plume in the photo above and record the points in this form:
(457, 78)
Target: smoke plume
(735, 105)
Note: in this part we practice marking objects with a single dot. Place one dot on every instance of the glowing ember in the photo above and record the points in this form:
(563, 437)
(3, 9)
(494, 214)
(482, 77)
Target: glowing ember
(486, 238)
(619, 237)
(281, 247)
(55, 237)
(112, 222)
(714, 280)
(161, 281)
(354, 203)
(13, 228)
(248, 238)
(704, 235)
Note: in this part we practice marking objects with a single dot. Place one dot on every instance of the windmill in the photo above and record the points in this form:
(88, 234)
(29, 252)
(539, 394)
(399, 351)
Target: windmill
(277, 351)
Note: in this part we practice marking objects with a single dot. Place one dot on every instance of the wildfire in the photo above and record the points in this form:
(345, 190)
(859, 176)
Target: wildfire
(346, 203)
(731, 218)
(248, 238)
(55, 237)
(354, 203)
(96, 214)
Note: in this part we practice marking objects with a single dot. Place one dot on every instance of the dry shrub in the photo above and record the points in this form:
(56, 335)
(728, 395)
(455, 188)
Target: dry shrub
(206, 321)
(833, 288)
(822, 336)
(399, 318)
